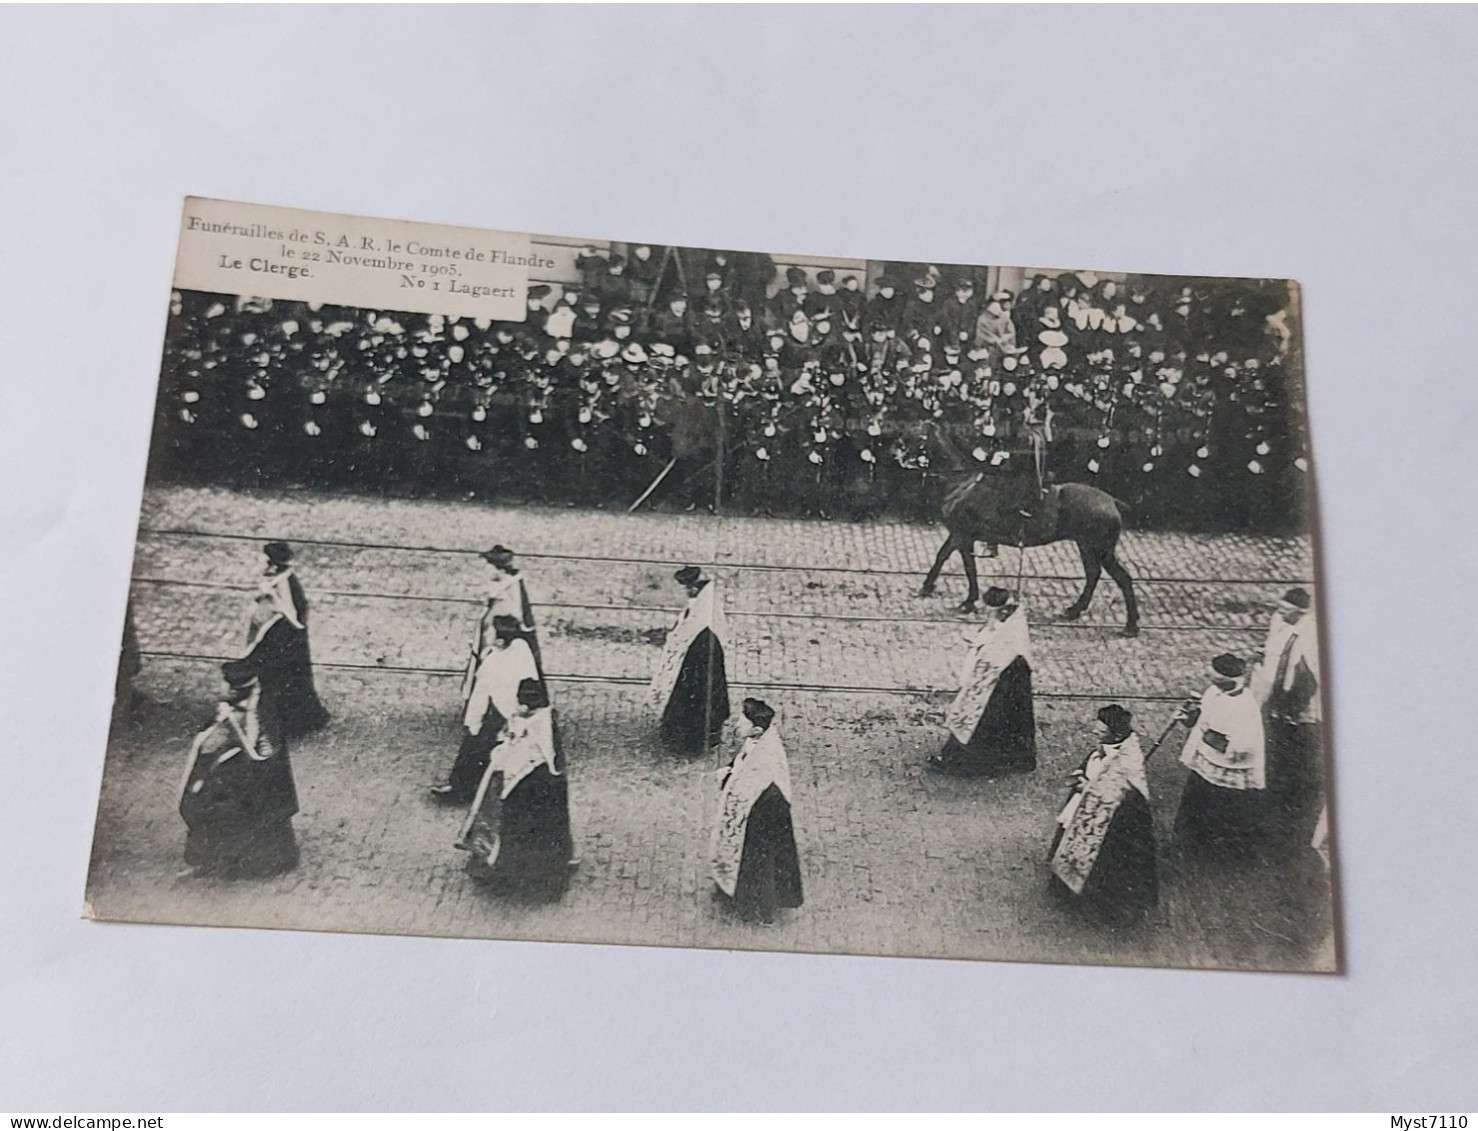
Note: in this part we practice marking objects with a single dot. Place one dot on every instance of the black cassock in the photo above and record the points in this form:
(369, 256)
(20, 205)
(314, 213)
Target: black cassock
(530, 829)
(1005, 737)
(282, 663)
(1295, 766)
(770, 866)
(1214, 822)
(239, 808)
(693, 719)
(1124, 884)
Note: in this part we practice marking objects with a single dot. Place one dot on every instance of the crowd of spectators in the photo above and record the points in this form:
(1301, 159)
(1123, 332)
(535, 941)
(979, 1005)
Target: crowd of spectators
(778, 389)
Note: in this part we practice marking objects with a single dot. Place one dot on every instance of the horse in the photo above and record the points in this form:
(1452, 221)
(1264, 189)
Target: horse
(972, 512)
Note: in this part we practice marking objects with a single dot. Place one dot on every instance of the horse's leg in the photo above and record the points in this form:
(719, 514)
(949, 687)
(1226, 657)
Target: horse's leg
(967, 557)
(1125, 583)
(1091, 572)
(939, 559)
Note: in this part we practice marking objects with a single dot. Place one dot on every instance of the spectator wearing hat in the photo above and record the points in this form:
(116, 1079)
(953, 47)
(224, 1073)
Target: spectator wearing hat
(621, 322)
(1038, 293)
(673, 324)
(750, 274)
(489, 700)
(425, 445)
(716, 282)
(1286, 682)
(782, 307)
(592, 267)
(992, 722)
(1103, 853)
(958, 314)
(822, 302)
(710, 328)
(615, 286)
(744, 334)
(590, 324)
(481, 431)
(884, 309)
(1226, 753)
(277, 650)
(538, 312)
(507, 596)
(517, 831)
(755, 865)
(690, 688)
(238, 797)
(850, 303)
(995, 332)
(921, 312)
(885, 356)
(643, 262)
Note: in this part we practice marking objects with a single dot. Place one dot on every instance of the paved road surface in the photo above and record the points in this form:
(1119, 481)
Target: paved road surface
(826, 627)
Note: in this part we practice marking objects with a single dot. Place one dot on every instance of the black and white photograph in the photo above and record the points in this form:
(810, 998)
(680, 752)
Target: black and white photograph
(724, 558)
(701, 597)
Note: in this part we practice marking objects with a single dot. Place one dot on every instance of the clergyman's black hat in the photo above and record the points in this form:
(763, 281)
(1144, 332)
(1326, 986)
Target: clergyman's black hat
(238, 673)
(1229, 666)
(532, 694)
(757, 711)
(1298, 597)
(278, 553)
(500, 556)
(995, 596)
(688, 575)
(1119, 721)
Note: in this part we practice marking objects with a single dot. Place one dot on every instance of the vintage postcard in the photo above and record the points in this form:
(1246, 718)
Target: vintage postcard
(511, 586)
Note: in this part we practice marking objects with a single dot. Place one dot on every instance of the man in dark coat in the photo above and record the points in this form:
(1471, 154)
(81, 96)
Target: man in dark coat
(755, 864)
(642, 265)
(277, 647)
(885, 309)
(238, 797)
(690, 688)
(782, 307)
(957, 315)
(749, 277)
(921, 314)
(674, 324)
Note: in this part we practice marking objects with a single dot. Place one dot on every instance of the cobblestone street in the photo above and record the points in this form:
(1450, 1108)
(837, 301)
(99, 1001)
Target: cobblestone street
(825, 625)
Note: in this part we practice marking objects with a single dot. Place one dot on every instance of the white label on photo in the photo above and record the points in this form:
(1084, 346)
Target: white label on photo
(287, 253)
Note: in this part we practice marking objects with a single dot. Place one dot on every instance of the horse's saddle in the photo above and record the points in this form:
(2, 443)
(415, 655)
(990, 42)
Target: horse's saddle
(1013, 510)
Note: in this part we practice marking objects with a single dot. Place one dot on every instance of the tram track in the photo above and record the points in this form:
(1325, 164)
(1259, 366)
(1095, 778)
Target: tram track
(714, 563)
(767, 614)
(640, 681)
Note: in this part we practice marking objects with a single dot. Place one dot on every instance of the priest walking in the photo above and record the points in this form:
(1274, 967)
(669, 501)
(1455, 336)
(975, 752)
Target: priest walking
(238, 797)
(1103, 855)
(508, 596)
(755, 863)
(490, 699)
(1286, 682)
(1221, 808)
(992, 723)
(690, 688)
(518, 830)
(277, 646)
